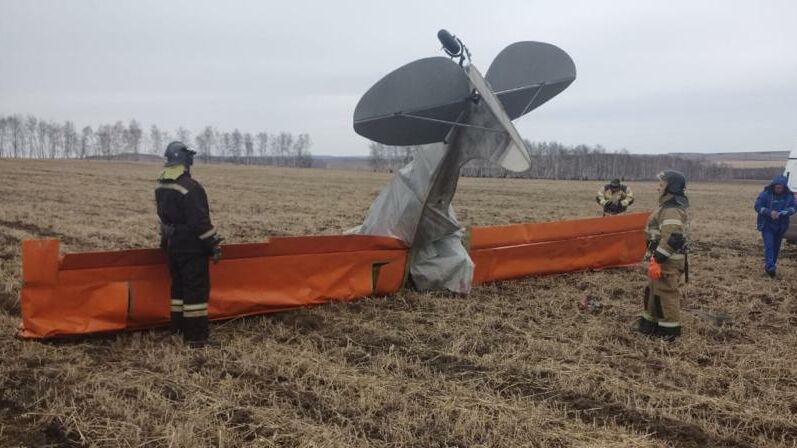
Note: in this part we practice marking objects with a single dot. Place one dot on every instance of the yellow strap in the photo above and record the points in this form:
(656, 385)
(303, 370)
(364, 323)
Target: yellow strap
(172, 172)
(173, 186)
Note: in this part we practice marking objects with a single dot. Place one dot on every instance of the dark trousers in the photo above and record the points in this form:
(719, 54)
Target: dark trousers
(190, 292)
(772, 242)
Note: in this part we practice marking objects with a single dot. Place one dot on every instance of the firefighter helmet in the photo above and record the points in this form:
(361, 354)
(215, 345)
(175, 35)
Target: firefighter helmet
(675, 180)
(178, 154)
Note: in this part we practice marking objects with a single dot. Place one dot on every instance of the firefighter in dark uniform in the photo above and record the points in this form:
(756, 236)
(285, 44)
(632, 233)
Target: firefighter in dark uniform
(667, 246)
(189, 239)
(615, 198)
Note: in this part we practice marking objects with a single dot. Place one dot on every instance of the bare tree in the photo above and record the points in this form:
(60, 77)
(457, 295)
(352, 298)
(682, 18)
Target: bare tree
(237, 143)
(283, 145)
(86, 140)
(218, 148)
(183, 135)
(117, 137)
(249, 147)
(134, 134)
(301, 151)
(205, 143)
(42, 131)
(70, 140)
(104, 140)
(29, 136)
(31, 123)
(17, 135)
(166, 138)
(56, 137)
(3, 138)
(155, 140)
(262, 146)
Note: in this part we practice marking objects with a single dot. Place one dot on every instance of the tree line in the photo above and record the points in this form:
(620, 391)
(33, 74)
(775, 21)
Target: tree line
(553, 160)
(30, 137)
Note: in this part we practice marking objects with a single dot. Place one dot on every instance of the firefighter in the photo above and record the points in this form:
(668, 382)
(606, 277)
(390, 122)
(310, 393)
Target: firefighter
(189, 239)
(774, 206)
(615, 197)
(667, 246)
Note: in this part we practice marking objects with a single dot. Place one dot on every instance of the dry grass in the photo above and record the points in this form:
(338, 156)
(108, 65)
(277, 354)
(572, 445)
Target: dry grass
(514, 364)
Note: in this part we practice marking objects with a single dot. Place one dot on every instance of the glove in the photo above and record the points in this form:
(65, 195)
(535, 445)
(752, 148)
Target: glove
(625, 203)
(214, 248)
(215, 254)
(774, 214)
(654, 269)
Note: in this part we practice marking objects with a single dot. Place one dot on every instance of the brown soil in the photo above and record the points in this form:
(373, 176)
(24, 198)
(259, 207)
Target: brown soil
(513, 364)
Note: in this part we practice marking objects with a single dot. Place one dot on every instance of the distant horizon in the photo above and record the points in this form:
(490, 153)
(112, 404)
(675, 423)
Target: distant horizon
(313, 148)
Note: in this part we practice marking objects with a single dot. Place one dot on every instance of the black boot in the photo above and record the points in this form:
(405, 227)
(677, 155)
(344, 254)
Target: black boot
(646, 327)
(669, 334)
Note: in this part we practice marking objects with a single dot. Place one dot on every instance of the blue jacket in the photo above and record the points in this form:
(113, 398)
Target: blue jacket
(768, 201)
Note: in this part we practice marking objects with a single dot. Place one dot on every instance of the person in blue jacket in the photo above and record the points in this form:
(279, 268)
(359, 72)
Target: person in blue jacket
(774, 207)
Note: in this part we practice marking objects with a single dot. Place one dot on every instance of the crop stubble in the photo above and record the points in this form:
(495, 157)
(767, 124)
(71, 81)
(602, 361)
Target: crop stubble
(513, 364)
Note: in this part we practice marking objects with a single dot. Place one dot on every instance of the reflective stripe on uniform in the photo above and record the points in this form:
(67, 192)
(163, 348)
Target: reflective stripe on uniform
(177, 305)
(601, 197)
(677, 257)
(195, 310)
(647, 316)
(208, 234)
(195, 306)
(663, 251)
(173, 186)
(671, 222)
(666, 324)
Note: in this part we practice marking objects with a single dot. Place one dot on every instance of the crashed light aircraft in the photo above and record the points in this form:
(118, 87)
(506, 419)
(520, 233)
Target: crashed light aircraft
(410, 235)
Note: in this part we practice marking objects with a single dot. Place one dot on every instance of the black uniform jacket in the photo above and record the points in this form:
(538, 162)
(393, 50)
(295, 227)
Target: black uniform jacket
(185, 216)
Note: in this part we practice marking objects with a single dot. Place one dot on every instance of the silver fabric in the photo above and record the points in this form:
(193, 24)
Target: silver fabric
(416, 205)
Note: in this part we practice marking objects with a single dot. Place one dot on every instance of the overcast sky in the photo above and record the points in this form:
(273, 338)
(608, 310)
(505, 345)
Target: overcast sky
(704, 76)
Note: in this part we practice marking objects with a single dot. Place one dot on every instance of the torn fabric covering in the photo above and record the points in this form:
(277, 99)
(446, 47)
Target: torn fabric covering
(416, 205)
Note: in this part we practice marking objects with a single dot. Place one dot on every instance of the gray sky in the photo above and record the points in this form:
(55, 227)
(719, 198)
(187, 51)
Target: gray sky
(704, 76)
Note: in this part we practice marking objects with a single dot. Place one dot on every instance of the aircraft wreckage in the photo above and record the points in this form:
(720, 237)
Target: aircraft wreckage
(410, 236)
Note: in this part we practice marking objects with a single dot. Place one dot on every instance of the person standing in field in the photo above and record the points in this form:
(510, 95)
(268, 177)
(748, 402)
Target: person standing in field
(615, 197)
(774, 206)
(189, 239)
(667, 244)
